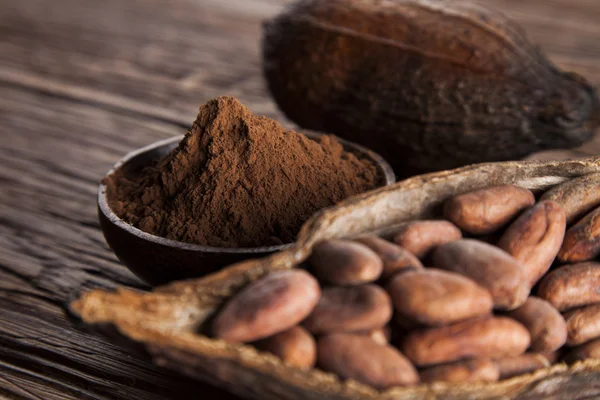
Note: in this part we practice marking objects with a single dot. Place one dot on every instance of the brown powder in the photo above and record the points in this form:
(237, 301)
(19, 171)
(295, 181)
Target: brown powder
(239, 180)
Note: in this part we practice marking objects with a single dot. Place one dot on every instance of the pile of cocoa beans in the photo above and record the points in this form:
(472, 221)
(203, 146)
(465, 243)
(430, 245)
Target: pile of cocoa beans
(500, 287)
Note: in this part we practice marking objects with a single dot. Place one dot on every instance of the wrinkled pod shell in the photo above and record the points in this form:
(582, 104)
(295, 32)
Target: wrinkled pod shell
(170, 322)
(430, 85)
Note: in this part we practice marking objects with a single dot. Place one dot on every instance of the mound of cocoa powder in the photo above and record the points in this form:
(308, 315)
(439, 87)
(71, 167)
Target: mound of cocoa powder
(239, 180)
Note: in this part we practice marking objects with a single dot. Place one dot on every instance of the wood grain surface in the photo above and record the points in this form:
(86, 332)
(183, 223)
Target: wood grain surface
(82, 82)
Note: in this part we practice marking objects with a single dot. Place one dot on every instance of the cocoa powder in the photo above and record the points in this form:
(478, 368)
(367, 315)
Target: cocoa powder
(239, 180)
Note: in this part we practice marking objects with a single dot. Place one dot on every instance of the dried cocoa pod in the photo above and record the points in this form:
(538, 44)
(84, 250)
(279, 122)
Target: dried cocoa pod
(295, 347)
(431, 85)
(178, 307)
(489, 266)
(545, 324)
(582, 240)
(436, 297)
(270, 305)
(420, 237)
(571, 286)
(493, 337)
(473, 370)
(535, 238)
(576, 196)
(350, 309)
(583, 325)
(588, 350)
(395, 258)
(519, 365)
(484, 211)
(342, 262)
(358, 357)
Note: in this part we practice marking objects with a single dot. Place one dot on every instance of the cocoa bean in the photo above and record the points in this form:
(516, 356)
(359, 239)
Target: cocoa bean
(582, 240)
(545, 324)
(519, 365)
(395, 258)
(295, 347)
(343, 262)
(436, 297)
(486, 210)
(576, 196)
(583, 325)
(360, 358)
(267, 306)
(535, 238)
(571, 286)
(590, 349)
(381, 336)
(473, 370)
(554, 356)
(420, 237)
(489, 266)
(350, 309)
(488, 337)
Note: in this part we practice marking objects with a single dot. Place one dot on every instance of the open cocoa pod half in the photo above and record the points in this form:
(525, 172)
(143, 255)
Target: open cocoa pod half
(169, 321)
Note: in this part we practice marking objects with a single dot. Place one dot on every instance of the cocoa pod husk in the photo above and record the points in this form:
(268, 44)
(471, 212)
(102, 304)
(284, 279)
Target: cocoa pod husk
(430, 85)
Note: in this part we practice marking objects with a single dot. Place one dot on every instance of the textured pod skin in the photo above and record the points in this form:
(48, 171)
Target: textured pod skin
(428, 84)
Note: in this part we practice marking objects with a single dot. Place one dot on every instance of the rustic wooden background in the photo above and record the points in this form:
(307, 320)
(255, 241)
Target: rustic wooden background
(82, 82)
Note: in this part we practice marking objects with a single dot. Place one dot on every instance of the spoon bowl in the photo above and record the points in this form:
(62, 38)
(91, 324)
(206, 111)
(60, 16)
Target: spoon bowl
(158, 260)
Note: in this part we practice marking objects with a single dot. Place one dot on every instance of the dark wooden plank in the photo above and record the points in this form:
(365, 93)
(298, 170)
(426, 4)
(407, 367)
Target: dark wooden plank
(52, 249)
(172, 60)
(178, 59)
(82, 82)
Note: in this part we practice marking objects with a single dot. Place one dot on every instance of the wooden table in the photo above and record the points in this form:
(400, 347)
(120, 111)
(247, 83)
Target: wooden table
(85, 81)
